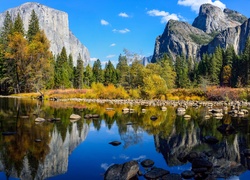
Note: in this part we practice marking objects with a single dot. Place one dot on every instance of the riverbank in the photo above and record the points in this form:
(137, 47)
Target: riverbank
(109, 94)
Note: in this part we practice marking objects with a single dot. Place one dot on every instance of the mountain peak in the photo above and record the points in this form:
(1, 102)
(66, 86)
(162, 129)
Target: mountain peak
(212, 19)
(55, 24)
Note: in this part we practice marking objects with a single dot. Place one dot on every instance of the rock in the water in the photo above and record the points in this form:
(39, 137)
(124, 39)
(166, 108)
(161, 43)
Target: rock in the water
(39, 119)
(191, 156)
(187, 117)
(153, 118)
(182, 157)
(115, 143)
(124, 171)
(156, 173)
(226, 129)
(163, 108)
(147, 163)
(75, 116)
(172, 177)
(38, 140)
(246, 152)
(201, 163)
(187, 174)
(210, 140)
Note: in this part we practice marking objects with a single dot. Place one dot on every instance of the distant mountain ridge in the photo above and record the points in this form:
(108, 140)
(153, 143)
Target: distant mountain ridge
(55, 24)
(213, 27)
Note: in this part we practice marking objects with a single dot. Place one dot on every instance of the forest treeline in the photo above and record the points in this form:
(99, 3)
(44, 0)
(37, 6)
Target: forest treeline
(27, 65)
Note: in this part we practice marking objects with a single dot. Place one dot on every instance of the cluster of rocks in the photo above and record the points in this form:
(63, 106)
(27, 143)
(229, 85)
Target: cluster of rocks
(235, 105)
(131, 170)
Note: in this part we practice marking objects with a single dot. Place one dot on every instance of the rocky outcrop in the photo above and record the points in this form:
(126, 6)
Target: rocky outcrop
(212, 19)
(212, 28)
(55, 24)
(180, 38)
(235, 37)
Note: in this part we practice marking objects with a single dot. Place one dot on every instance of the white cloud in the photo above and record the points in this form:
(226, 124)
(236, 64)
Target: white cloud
(123, 156)
(122, 31)
(104, 23)
(123, 14)
(139, 158)
(110, 56)
(93, 59)
(195, 5)
(113, 44)
(165, 16)
(105, 166)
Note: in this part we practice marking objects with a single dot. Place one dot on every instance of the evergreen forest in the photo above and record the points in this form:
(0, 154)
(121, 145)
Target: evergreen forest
(27, 65)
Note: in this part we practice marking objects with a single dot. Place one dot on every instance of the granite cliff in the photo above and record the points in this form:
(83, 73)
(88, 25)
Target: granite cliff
(213, 27)
(212, 19)
(55, 24)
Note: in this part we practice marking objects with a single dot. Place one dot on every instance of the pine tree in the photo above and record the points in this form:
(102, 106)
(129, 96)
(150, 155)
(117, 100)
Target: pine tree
(110, 74)
(78, 82)
(97, 72)
(181, 69)
(61, 70)
(122, 69)
(18, 25)
(71, 68)
(6, 30)
(33, 26)
(88, 76)
(246, 60)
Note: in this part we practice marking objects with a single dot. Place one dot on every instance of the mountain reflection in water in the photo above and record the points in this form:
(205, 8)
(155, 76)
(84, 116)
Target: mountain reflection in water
(53, 150)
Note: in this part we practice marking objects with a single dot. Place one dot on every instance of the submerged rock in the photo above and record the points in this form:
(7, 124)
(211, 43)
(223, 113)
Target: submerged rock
(153, 118)
(147, 163)
(124, 171)
(172, 177)
(115, 143)
(156, 173)
(210, 140)
(187, 174)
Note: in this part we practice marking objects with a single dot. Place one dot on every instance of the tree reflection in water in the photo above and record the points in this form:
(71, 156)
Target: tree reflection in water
(24, 157)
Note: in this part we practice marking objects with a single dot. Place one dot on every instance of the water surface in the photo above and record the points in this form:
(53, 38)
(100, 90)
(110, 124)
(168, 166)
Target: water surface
(80, 149)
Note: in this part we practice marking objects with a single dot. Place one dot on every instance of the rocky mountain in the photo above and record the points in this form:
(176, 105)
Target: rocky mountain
(146, 60)
(56, 161)
(212, 27)
(235, 36)
(55, 24)
(180, 38)
(212, 19)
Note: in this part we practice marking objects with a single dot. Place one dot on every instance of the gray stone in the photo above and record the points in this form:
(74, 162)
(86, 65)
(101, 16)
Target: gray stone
(187, 174)
(155, 173)
(213, 19)
(55, 24)
(172, 177)
(147, 163)
(124, 171)
(75, 116)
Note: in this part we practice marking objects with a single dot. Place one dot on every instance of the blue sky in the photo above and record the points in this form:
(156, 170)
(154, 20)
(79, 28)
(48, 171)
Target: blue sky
(106, 27)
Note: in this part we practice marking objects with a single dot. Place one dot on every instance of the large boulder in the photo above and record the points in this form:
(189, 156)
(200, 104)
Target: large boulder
(124, 171)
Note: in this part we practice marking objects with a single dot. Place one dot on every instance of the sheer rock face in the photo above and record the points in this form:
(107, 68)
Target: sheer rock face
(212, 19)
(56, 161)
(56, 27)
(236, 37)
(180, 38)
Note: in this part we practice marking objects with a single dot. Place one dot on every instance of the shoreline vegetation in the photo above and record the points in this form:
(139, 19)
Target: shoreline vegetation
(111, 94)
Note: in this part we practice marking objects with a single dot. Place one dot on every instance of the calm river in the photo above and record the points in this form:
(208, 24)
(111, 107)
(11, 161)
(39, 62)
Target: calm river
(80, 150)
